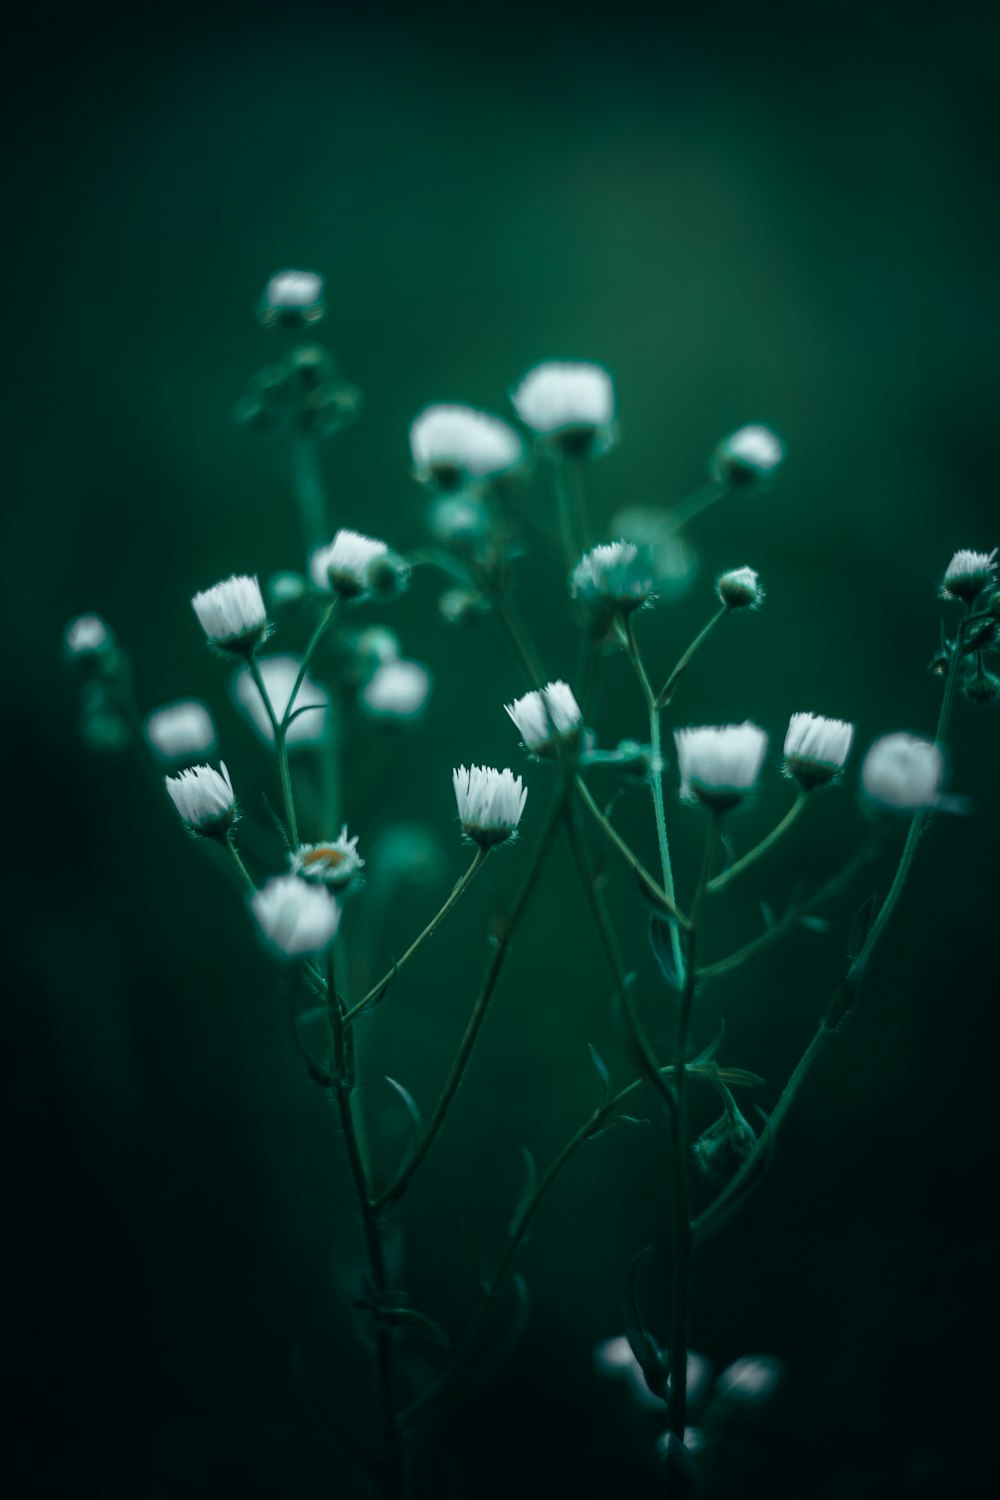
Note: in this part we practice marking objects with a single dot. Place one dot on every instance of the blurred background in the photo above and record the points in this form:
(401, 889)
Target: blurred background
(782, 213)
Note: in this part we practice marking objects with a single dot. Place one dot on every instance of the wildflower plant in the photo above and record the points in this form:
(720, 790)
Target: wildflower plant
(337, 673)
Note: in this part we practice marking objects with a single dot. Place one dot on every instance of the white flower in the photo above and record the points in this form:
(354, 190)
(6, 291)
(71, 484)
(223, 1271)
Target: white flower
(740, 589)
(232, 614)
(278, 674)
(345, 566)
(612, 574)
(204, 799)
(720, 764)
(337, 865)
(292, 298)
(902, 773)
(750, 456)
(397, 690)
(816, 749)
(968, 573)
(574, 401)
(181, 730)
(754, 1377)
(490, 803)
(614, 1359)
(87, 635)
(296, 918)
(450, 442)
(544, 717)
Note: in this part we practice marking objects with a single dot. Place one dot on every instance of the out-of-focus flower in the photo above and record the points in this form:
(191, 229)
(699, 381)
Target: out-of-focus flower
(816, 749)
(294, 917)
(748, 458)
(181, 731)
(752, 1378)
(292, 297)
(204, 799)
(902, 773)
(720, 764)
(346, 565)
(232, 615)
(570, 403)
(547, 717)
(454, 444)
(398, 689)
(612, 577)
(490, 803)
(87, 635)
(278, 674)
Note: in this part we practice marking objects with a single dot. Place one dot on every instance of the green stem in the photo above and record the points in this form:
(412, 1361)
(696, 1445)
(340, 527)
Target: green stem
(751, 857)
(656, 786)
(458, 890)
(310, 491)
(397, 1188)
(681, 1304)
(281, 751)
(698, 501)
(244, 873)
(374, 1247)
(653, 887)
(666, 693)
(307, 655)
(517, 633)
(572, 503)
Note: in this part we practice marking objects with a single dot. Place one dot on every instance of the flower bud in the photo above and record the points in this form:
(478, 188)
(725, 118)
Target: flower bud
(232, 615)
(722, 1149)
(816, 749)
(345, 566)
(968, 574)
(490, 804)
(292, 299)
(982, 687)
(204, 800)
(181, 731)
(397, 690)
(547, 718)
(454, 445)
(748, 458)
(740, 589)
(569, 405)
(285, 588)
(462, 606)
(88, 640)
(902, 773)
(720, 764)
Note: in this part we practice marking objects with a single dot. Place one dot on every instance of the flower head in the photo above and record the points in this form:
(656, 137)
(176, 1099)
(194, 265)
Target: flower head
(451, 444)
(232, 615)
(740, 589)
(720, 764)
(612, 577)
(337, 865)
(571, 403)
(490, 803)
(345, 566)
(292, 297)
(968, 574)
(294, 917)
(308, 725)
(181, 730)
(816, 749)
(546, 717)
(86, 636)
(397, 690)
(754, 1377)
(748, 458)
(902, 773)
(204, 799)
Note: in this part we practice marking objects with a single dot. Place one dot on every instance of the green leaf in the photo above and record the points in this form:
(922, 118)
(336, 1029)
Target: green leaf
(412, 1109)
(662, 945)
(509, 1339)
(642, 1341)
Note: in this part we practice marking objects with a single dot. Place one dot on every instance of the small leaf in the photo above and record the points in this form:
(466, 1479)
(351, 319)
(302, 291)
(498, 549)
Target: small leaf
(276, 820)
(740, 1078)
(509, 1339)
(527, 1191)
(711, 1049)
(307, 708)
(662, 945)
(611, 1122)
(412, 1109)
(641, 1340)
(601, 1070)
(815, 924)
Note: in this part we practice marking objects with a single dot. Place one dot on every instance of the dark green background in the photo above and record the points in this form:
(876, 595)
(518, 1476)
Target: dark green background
(785, 214)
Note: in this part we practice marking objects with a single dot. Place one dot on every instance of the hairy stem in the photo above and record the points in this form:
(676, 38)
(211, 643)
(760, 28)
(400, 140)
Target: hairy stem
(653, 887)
(721, 881)
(668, 689)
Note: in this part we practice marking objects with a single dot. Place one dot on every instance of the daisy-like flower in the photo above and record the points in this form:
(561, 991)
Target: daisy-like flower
(292, 297)
(612, 577)
(720, 764)
(232, 615)
(748, 458)
(754, 1377)
(816, 749)
(397, 690)
(544, 718)
(337, 865)
(573, 404)
(740, 589)
(490, 803)
(902, 773)
(295, 918)
(181, 730)
(204, 799)
(452, 444)
(278, 674)
(345, 566)
(968, 574)
(87, 635)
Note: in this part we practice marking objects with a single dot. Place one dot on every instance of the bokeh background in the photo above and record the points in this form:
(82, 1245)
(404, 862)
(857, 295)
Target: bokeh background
(782, 213)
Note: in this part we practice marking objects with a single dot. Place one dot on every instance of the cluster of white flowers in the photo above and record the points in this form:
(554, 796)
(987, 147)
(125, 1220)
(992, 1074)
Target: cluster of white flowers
(232, 614)
(490, 803)
(547, 717)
